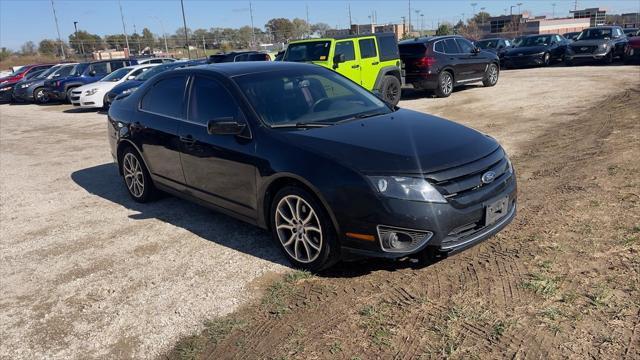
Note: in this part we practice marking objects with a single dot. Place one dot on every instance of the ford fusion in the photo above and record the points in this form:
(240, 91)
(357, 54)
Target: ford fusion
(331, 170)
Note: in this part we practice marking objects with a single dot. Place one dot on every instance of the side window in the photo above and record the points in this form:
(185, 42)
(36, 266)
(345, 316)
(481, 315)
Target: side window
(242, 57)
(166, 97)
(139, 71)
(346, 48)
(367, 48)
(465, 46)
(388, 48)
(439, 47)
(115, 65)
(507, 43)
(210, 100)
(450, 47)
(101, 69)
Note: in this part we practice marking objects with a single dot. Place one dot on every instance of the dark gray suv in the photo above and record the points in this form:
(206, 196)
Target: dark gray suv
(602, 43)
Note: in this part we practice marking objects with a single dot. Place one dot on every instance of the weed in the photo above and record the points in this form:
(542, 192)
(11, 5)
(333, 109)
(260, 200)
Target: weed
(498, 329)
(569, 297)
(630, 240)
(546, 264)
(541, 284)
(335, 348)
(218, 329)
(375, 321)
(600, 297)
(189, 348)
(298, 275)
(635, 229)
(551, 313)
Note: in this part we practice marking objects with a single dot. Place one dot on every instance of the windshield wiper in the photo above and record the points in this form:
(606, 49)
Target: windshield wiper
(302, 125)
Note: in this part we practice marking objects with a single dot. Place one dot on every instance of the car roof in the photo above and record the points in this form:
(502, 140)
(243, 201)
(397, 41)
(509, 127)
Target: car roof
(426, 39)
(342, 37)
(248, 67)
(493, 38)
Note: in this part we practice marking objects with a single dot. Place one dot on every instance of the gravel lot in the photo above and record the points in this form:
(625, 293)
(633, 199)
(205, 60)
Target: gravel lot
(88, 273)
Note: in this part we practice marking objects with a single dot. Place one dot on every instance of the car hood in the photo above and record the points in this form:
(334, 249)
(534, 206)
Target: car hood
(634, 41)
(100, 85)
(126, 85)
(403, 142)
(529, 50)
(588, 43)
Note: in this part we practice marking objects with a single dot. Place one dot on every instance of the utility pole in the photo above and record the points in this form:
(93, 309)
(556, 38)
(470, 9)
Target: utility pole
(482, 9)
(473, 6)
(350, 23)
(184, 22)
(404, 25)
(164, 34)
(124, 28)
(308, 26)
(554, 10)
(417, 18)
(409, 15)
(75, 25)
(136, 33)
(204, 46)
(519, 11)
(55, 18)
(575, 5)
(253, 30)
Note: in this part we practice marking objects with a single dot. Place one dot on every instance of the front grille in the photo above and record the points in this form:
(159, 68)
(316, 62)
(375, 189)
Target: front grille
(584, 49)
(462, 186)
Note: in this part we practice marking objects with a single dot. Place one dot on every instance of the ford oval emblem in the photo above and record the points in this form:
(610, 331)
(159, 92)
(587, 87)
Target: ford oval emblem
(488, 177)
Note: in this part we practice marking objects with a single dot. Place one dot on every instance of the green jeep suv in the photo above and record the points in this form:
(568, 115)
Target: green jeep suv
(371, 60)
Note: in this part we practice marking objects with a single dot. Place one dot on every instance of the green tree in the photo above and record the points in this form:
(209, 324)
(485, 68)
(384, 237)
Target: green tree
(481, 17)
(91, 42)
(300, 28)
(28, 48)
(444, 29)
(5, 53)
(115, 41)
(48, 47)
(281, 29)
(148, 40)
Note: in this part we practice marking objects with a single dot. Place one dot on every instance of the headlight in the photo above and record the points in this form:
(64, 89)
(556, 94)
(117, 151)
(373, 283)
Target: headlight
(24, 86)
(91, 92)
(604, 46)
(129, 90)
(5, 88)
(406, 188)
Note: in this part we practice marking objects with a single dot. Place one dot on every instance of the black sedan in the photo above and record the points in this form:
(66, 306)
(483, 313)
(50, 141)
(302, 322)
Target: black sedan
(331, 170)
(498, 46)
(536, 50)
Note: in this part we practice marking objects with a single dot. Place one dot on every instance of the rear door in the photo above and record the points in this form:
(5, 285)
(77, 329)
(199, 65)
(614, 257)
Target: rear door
(474, 63)
(369, 61)
(218, 168)
(161, 108)
(351, 65)
(457, 60)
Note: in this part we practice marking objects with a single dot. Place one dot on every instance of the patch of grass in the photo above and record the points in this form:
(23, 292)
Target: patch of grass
(275, 298)
(630, 240)
(297, 275)
(377, 325)
(555, 328)
(635, 229)
(499, 327)
(551, 313)
(216, 330)
(336, 347)
(594, 203)
(600, 297)
(189, 348)
(541, 284)
(613, 170)
(569, 297)
(546, 265)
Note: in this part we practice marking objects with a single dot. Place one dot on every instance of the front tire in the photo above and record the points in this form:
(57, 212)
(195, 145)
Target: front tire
(491, 76)
(40, 96)
(136, 176)
(391, 89)
(608, 60)
(546, 59)
(303, 229)
(69, 91)
(445, 84)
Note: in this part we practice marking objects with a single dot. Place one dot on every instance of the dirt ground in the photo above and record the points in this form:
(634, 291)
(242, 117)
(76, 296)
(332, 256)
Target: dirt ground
(87, 273)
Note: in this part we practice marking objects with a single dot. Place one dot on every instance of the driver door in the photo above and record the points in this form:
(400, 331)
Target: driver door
(351, 65)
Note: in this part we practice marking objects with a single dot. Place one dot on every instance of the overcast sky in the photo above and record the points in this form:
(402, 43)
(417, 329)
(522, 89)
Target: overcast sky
(23, 20)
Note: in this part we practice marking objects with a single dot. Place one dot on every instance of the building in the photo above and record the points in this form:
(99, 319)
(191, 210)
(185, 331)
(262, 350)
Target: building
(631, 20)
(399, 30)
(514, 25)
(110, 54)
(595, 15)
(555, 26)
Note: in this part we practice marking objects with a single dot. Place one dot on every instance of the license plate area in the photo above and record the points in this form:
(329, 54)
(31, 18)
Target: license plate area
(495, 211)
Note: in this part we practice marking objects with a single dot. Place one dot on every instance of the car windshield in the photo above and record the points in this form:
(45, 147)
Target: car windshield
(517, 41)
(153, 71)
(595, 34)
(535, 41)
(308, 51)
(307, 97)
(487, 44)
(78, 69)
(47, 72)
(117, 75)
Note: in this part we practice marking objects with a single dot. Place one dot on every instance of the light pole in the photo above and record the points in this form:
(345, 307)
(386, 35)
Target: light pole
(554, 10)
(55, 17)
(519, 12)
(75, 25)
(184, 21)
(482, 9)
(421, 24)
(164, 33)
(473, 6)
(124, 28)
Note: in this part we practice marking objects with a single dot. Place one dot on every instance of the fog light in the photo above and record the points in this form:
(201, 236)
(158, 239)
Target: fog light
(402, 240)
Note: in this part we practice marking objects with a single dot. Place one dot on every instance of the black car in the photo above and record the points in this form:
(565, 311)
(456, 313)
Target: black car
(630, 32)
(238, 56)
(330, 169)
(33, 89)
(442, 62)
(602, 43)
(536, 50)
(498, 46)
(571, 35)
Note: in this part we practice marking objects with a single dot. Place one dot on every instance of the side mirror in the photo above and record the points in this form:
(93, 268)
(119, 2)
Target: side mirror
(475, 50)
(337, 59)
(131, 77)
(225, 126)
(92, 73)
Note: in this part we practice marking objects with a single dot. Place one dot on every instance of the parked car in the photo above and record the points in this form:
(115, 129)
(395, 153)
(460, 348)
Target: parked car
(330, 169)
(631, 32)
(33, 89)
(239, 56)
(571, 35)
(602, 43)
(84, 73)
(93, 96)
(371, 60)
(7, 83)
(442, 62)
(279, 55)
(498, 46)
(632, 50)
(536, 50)
(155, 60)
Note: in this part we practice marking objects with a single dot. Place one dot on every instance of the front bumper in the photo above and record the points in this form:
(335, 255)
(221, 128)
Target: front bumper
(572, 56)
(524, 60)
(23, 94)
(454, 229)
(6, 93)
(89, 101)
(56, 95)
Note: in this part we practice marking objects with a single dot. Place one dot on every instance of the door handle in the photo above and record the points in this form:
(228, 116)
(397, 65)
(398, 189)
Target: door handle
(375, 63)
(189, 140)
(355, 66)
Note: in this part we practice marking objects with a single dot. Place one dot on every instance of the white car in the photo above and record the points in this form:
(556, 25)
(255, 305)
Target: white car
(156, 61)
(92, 95)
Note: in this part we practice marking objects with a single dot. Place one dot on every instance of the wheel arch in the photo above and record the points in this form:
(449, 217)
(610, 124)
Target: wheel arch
(123, 144)
(288, 179)
(387, 70)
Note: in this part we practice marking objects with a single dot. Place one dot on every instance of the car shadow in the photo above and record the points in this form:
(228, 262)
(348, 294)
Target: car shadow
(105, 182)
(79, 110)
(413, 94)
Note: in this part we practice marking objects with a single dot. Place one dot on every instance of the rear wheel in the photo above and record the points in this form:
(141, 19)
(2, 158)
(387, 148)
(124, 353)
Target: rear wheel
(303, 229)
(40, 96)
(546, 58)
(445, 84)
(136, 176)
(491, 76)
(69, 91)
(391, 89)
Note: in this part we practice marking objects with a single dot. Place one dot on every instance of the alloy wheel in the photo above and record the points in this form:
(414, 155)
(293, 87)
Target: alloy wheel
(41, 96)
(392, 93)
(547, 57)
(493, 74)
(298, 228)
(447, 83)
(133, 175)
